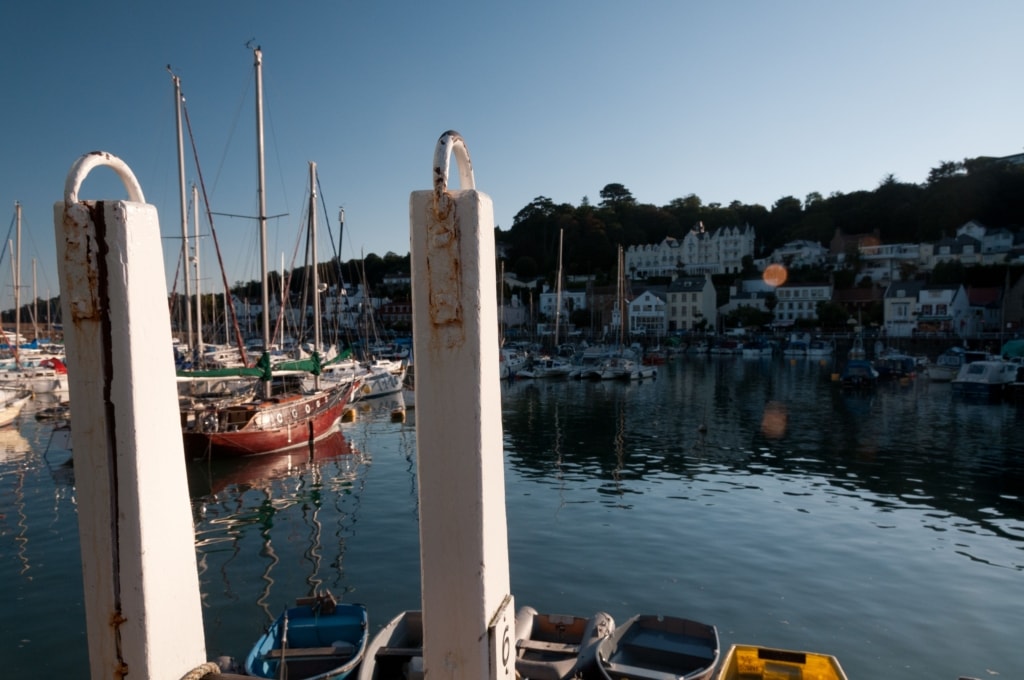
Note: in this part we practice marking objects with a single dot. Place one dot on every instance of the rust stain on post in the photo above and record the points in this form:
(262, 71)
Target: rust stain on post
(444, 274)
(82, 251)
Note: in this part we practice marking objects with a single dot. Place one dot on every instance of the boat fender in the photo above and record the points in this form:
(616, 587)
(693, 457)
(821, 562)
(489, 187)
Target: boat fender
(209, 422)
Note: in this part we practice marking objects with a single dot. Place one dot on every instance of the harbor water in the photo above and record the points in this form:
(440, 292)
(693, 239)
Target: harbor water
(886, 527)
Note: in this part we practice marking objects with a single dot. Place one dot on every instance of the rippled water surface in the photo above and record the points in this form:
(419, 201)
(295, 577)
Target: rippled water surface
(885, 528)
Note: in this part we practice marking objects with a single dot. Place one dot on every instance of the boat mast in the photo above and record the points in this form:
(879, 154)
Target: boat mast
(199, 291)
(316, 280)
(340, 319)
(501, 305)
(184, 216)
(558, 289)
(35, 304)
(258, 55)
(17, 283)
(621, 292)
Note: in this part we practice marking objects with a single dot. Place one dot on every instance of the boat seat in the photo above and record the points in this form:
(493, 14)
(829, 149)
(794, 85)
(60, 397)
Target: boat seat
(646, 642)
(542, 646)
(344, 651)
(626, 671)
(399, 651)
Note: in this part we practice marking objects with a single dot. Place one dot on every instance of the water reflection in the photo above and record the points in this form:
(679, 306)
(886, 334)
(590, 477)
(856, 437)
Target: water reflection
(244, 509)
(910, 445)
(754, 495)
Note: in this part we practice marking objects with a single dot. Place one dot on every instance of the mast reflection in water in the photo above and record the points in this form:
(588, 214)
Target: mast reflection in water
(289, 498)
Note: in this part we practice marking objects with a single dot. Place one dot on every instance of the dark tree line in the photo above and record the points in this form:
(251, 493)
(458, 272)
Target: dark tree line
(990, 191)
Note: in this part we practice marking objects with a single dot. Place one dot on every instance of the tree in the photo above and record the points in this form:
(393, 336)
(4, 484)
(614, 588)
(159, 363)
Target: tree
(948, 272)
(748, 316)
(616, 195)
(539, 208)
(525, 268)
(832, 315)
(944, 171)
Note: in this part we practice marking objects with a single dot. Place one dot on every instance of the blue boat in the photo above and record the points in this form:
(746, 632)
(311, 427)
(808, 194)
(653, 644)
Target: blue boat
(318, 639)
(859, 374)
(659, 648)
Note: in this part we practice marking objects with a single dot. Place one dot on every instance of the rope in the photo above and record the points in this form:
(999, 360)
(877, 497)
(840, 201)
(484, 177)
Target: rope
(200, 672)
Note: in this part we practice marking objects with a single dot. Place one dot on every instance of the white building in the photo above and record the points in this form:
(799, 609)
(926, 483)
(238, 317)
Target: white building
(963, 249)
(900, 308)
(887, 262)
(797, 254)
(647, 314)
(689, 301)
(944, 309)
(547, 303)
(799, 301)
(699, 252)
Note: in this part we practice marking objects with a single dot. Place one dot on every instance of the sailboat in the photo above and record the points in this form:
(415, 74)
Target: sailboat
(551, 366)
(269, 421)
(28, 367)
(624, 364)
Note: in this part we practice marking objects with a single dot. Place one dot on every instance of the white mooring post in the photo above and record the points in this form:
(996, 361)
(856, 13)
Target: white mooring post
(468, 615)
(142, 606)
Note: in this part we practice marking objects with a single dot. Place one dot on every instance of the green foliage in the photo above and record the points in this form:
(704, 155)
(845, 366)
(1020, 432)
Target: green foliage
(948, 272)
(616, 195)
(832, 315)
(525, 268)
(747, 317)
(982, 189)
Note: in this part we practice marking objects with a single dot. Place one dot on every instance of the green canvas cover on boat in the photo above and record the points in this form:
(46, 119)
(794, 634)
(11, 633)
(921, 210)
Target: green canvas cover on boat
(1013, 348)
(264, 371)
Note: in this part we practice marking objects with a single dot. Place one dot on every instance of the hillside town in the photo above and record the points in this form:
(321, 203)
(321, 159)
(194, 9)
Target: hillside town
(673, 289)
(711, 282)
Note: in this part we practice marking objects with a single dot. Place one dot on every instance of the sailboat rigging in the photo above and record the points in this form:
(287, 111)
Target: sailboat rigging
(624, 364)
(269, 421)
(28, 367)
(558, 291)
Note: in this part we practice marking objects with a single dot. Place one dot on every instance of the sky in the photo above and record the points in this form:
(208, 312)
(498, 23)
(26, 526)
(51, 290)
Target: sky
(733, 100)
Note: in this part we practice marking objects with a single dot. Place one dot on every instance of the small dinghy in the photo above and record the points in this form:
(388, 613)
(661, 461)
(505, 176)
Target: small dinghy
(318, 639)
(556, 647)
(659, 648)
(396, 652)
(747, 662)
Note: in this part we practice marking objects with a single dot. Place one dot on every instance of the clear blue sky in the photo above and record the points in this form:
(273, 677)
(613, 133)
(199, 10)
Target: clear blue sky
(748, 101)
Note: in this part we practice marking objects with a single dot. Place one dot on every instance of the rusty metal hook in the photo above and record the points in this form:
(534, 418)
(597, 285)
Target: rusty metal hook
(448, 142)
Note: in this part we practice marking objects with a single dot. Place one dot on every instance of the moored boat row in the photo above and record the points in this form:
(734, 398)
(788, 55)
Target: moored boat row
(320, 639)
